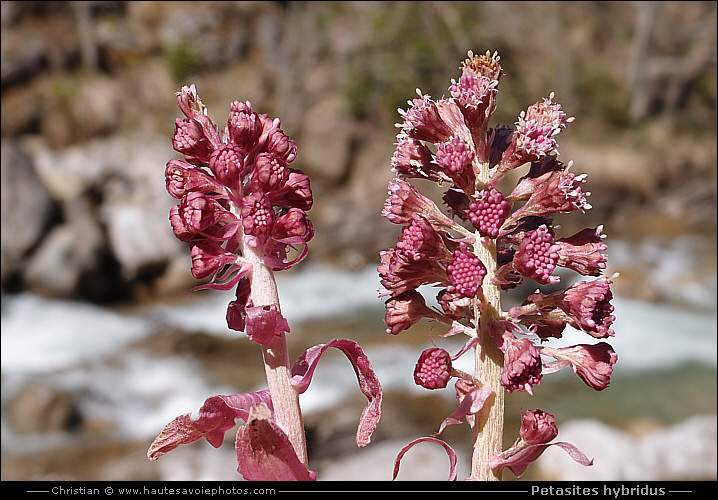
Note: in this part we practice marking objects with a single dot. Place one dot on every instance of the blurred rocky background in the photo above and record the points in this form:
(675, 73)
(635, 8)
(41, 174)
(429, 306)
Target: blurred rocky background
(88, 112)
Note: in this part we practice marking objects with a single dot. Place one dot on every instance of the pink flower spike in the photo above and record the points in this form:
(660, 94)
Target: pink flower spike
(303, 370)
(263, 323)
(433, 370)
(449, 450)
(264, 452)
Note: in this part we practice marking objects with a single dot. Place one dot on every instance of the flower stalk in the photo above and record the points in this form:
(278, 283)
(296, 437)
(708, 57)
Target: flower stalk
(277, 367)
(486, 243)
(489, 363)
(242, 211)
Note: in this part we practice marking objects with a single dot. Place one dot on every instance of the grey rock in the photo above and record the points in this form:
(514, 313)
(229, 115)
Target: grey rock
(27, 209)
(39, 409)
(684, 451)
(69, 252)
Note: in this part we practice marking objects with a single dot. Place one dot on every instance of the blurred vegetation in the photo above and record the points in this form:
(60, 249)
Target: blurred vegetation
(379, 52)
(640, 77)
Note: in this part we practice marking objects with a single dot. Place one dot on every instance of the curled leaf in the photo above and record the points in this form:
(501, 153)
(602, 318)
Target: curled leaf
(216, 417)
(449, 450)
(303, 370)
(519, 461)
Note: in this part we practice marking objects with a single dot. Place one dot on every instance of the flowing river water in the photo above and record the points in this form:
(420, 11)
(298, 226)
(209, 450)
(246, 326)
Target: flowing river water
(126, 372)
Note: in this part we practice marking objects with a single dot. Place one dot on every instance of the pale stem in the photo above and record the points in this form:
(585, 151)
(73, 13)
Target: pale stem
(287, 412)
(489, 424)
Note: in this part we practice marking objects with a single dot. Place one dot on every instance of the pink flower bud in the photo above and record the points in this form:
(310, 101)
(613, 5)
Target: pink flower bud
(556, 191)
(227, 163)
(296, 192)
(269, 173)
(405, 200)
(189, 139)
(488, 212)
(466, 272)
(522, 364)
(405, 310)
(244, 126)
(178, 225)
(433, 370)
(538, 427)
(280, 145)
(534, 135)
(413, 159)
(582, 252)
(207, 257)
(455, 306)
(588, 304)
(398, 273)
(192, 106)
(257, 217)
(419, 240)
(195, 213)
(475, 94)
(454, 156)
(424, 122)
(182, 178)
(537, 255)
(592, 363)
(293, 227)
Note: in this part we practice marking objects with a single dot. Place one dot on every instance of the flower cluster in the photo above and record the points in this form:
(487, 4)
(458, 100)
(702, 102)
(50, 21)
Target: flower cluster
(486, 236)
(236, 190)
(242, 211)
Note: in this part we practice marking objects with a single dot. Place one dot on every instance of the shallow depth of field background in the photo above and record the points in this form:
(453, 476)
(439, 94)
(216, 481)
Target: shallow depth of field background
(103, 342)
